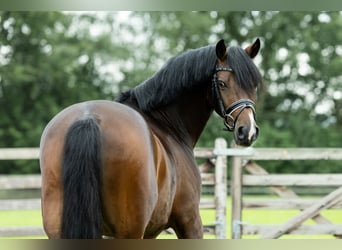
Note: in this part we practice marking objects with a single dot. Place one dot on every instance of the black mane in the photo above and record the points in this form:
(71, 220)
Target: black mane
(186, 71)
(180, 74)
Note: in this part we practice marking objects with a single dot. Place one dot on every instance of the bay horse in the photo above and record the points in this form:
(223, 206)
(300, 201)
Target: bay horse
(126, 168)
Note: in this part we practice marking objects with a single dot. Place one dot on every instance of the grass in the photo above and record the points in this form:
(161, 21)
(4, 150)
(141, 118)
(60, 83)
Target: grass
(21, 218)
(33, 218)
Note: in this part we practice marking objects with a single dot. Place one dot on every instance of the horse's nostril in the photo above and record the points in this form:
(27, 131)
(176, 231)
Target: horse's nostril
(256, 133)
(242, 132)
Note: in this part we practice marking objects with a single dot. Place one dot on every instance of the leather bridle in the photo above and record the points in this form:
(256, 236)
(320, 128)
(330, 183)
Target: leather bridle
(227, 113)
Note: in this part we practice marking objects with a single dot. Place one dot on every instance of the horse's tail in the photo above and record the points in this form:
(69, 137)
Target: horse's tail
(81, 173)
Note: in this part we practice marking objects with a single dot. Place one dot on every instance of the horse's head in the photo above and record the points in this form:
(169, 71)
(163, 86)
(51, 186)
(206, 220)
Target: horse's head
(235, 89)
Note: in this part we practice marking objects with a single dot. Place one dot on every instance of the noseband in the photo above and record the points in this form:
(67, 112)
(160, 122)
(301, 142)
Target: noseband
(226, 113)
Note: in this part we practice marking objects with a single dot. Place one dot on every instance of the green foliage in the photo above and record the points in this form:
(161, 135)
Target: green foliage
(49, 60)
(44, 68)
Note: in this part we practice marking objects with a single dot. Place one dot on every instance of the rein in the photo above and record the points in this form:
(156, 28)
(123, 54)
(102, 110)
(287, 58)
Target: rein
(226, 113)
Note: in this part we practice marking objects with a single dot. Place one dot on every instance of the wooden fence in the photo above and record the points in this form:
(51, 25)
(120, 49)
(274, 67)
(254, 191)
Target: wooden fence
(216, 178)
(245, 172)
(279, 184)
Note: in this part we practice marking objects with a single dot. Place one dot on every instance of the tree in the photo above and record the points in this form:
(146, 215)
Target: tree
(45, 67)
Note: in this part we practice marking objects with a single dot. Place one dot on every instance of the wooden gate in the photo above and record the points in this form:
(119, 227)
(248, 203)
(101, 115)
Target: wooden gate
(279, 184)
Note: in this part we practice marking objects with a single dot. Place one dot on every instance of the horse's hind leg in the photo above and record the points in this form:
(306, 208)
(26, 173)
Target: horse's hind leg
(51, 197)
(128, 212)
(51, 211)
(130, 194)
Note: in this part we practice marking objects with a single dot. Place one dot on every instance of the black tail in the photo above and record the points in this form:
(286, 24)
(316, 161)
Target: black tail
(82, 217)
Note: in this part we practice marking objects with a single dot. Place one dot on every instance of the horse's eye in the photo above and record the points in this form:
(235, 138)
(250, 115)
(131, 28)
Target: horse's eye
(222, 85)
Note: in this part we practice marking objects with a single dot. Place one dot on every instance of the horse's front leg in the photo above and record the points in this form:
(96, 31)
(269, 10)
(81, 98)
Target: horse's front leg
(188, 225)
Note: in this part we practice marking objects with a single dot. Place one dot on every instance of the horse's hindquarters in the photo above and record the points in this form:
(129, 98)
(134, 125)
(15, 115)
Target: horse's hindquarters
(129, 186)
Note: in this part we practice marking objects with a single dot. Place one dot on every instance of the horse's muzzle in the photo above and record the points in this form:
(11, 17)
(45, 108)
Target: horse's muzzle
(246, 135)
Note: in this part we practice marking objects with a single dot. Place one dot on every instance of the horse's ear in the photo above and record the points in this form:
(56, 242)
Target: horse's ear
(221, 50)
(253, 49)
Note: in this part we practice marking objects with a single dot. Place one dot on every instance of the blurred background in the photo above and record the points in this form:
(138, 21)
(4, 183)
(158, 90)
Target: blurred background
(50, 60)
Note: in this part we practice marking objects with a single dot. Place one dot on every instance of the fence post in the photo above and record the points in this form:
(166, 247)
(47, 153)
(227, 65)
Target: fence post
(236, 196)
(220, 189)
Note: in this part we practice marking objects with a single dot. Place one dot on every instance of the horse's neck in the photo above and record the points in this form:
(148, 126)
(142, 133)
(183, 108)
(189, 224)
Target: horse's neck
(195, 110)
(186, 118)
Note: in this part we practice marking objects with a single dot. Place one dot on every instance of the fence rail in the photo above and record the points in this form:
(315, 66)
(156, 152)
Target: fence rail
(20, 204)
(293, 180)
(19, 153)
(20, 181)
